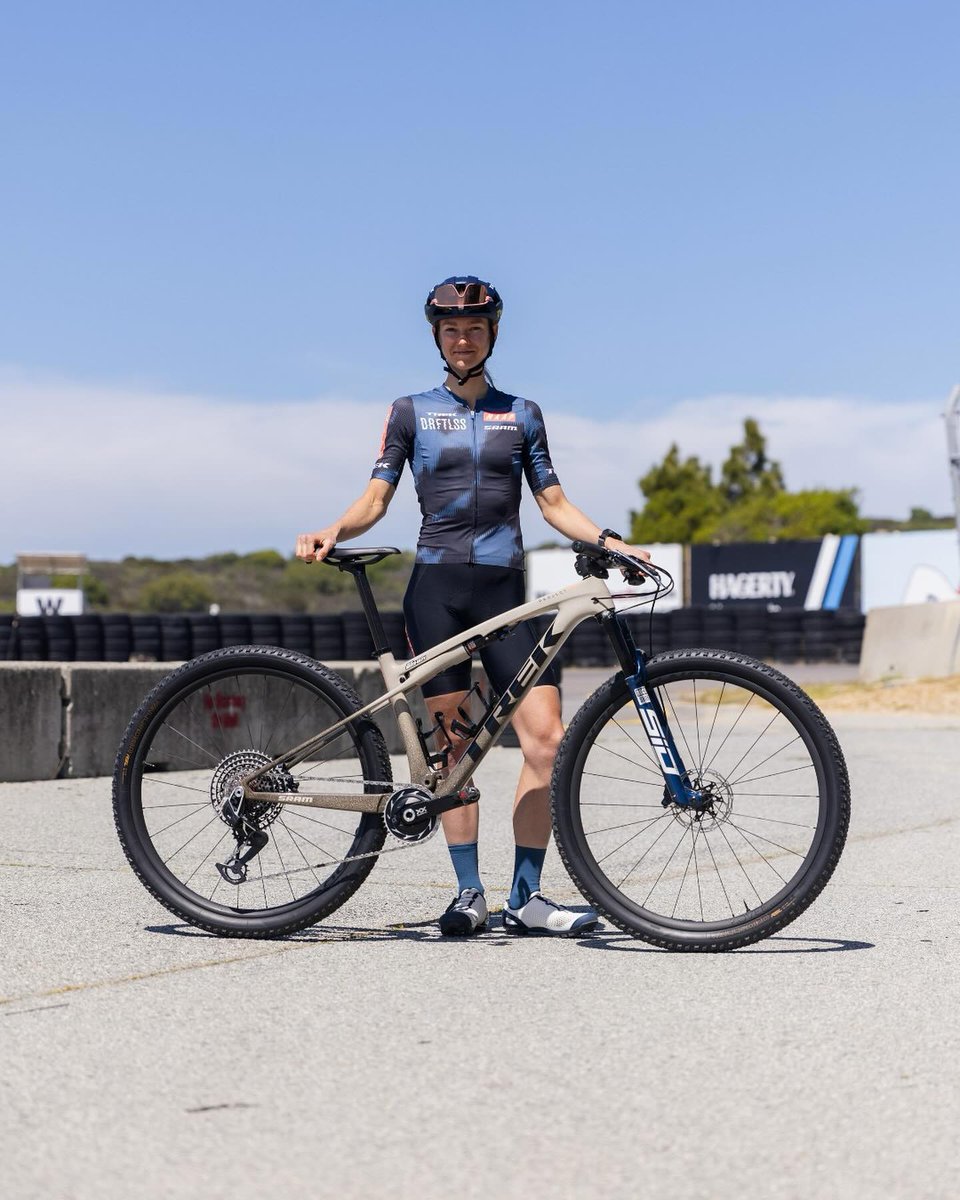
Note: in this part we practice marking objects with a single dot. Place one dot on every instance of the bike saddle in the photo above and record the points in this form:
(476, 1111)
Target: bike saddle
(360, 556)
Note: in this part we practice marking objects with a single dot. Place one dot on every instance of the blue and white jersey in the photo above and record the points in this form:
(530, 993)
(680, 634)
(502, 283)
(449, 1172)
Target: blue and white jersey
(467, 467)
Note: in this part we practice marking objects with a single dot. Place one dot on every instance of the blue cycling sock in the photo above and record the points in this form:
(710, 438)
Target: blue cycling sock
(527, 865)
(467, 865)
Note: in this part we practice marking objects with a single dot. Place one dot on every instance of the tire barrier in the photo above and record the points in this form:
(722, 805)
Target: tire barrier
(789, 635)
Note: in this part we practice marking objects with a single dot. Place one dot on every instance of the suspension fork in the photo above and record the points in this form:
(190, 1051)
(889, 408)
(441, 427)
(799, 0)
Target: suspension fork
(656, 726)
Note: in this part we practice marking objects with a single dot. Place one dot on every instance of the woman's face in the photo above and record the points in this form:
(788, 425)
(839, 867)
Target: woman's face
(464, 341)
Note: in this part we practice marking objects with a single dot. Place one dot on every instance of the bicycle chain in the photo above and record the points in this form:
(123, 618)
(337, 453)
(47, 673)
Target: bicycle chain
(386, 783)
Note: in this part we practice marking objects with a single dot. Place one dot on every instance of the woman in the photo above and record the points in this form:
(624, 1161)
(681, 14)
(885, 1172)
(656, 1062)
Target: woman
(468, 445)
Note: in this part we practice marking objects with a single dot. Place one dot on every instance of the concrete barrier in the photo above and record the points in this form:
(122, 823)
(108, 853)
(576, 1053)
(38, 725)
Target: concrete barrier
(32, 745)
(911, 641)
(67, 719)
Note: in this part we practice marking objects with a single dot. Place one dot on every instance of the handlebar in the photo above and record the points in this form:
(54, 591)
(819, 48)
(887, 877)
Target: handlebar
(594, 559)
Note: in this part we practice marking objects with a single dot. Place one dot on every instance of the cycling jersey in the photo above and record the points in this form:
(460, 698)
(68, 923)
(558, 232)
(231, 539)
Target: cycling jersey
(467, 466)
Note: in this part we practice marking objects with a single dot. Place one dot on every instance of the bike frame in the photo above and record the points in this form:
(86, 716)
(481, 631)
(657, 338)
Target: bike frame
(574, 604)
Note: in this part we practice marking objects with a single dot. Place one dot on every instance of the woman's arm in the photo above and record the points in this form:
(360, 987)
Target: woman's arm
(362, 515)
(567, 519)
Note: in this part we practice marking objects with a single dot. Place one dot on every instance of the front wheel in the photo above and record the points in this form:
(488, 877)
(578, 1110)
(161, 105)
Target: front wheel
(760, 849)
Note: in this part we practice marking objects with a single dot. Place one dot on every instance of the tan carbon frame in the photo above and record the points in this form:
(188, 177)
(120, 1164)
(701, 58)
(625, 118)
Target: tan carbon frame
(574, 604)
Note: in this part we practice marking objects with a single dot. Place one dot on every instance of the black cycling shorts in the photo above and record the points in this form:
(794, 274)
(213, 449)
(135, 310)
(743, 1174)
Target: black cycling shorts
(444, 599)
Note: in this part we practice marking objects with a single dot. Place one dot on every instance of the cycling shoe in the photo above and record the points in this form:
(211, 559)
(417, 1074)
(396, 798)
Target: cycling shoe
(540, 915)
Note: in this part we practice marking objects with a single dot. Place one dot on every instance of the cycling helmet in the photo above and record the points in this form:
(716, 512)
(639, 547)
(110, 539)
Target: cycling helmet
(464, 296)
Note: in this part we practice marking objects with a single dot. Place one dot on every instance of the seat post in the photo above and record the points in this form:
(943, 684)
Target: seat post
(370, 610)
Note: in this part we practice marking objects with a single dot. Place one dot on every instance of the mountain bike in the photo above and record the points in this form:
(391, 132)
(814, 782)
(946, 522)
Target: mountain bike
(700, 799)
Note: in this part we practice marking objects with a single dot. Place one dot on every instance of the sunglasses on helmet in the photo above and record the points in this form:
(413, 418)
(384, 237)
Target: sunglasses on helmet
(462, 295)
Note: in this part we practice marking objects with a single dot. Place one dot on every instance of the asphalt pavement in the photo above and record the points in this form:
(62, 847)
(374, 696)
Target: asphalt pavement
(368, 1057)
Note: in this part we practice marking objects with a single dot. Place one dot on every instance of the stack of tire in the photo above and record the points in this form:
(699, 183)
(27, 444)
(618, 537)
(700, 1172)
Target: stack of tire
(357, 642)
(719, 627)
(752, 631)
(176, 644)
(204, 634)
(589, 646)
(686, 628)
(33, 639)
(88, 638)
(117, 637)
(296, 633)
(235, 629)
(786, 635)
(145, 637)
(848, 633)
(326, 638)
(8, 637)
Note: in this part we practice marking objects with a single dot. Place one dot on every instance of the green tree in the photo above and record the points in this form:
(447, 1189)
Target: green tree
(747, 471)
(680, 498)
(177, 591)
(750, 502)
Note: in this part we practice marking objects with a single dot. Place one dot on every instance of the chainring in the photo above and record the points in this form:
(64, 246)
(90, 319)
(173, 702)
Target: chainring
(407, 800)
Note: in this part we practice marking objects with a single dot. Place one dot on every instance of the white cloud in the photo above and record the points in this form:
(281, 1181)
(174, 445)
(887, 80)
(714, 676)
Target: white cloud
(111, 471)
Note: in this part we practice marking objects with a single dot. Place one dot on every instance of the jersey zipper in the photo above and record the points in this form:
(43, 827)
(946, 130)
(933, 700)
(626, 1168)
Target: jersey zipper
(476, 488)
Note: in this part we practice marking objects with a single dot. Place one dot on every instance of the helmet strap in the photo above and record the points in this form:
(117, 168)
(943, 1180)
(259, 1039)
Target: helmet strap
(474, 371)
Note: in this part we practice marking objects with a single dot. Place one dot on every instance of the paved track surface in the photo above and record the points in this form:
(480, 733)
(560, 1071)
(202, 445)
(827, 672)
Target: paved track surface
(367, 1057)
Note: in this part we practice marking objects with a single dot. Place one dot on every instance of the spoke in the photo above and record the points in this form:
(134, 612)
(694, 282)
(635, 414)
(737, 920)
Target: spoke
(625, 825)
(716, 713)
(740, 864)
(696, 717)
(214, 719)
(246, 714)
(279, 720)
(286, 874)
(185, 817)
(757, 766)
(621, 779)
(614, 804)
(726, 737)
(775, 820)
(212, 849)
(695, 832)
(185, 787)
(723, 886)
(196, 745)
(776, 714)
(617, 849)
(291, 811)
(653, 770)
(303, 837)
(773, 775)
(300, 849)
(769, 841)
(184, 804)
(683, 835)
(171, 857)
(642, 856)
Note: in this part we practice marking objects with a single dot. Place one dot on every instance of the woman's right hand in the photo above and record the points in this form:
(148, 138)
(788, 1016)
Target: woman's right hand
(316, 546)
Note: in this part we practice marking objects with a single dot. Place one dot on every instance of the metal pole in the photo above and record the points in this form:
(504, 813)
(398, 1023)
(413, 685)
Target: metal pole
(953, 448)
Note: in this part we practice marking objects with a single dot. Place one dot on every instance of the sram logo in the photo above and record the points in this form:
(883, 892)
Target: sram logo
(655, 732)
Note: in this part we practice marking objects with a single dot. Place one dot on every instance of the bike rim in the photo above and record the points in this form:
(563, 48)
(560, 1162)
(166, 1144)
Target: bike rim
(739, 862)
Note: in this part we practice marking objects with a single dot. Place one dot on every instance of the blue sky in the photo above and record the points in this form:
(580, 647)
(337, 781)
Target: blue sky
(694, 211)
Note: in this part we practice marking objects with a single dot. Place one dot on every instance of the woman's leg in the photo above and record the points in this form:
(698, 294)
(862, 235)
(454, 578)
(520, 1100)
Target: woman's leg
(540, 730)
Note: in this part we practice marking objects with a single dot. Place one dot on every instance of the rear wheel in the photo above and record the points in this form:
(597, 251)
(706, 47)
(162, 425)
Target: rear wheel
(767, 836)
(199, 732)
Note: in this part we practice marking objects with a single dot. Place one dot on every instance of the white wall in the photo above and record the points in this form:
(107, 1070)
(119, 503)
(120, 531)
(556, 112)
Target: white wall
(909, 567)
(550, 570)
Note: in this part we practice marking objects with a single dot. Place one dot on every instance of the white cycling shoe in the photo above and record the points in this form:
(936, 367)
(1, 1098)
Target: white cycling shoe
(466, 915)
(540, 915)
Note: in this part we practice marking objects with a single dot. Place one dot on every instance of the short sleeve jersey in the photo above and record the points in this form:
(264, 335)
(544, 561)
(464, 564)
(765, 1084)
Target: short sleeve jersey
(467, 467)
